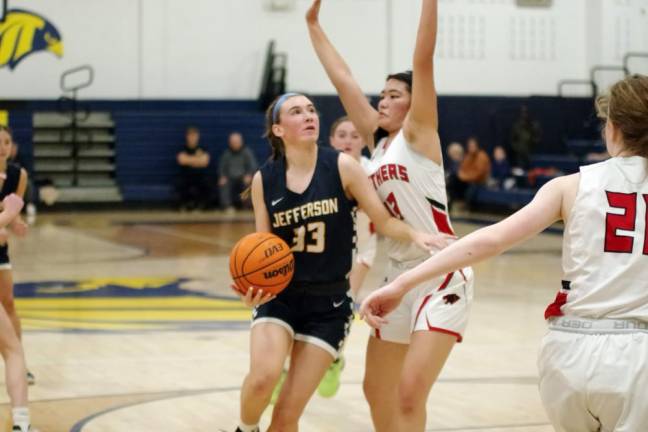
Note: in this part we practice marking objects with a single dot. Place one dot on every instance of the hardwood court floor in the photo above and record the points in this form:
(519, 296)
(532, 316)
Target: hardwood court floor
(130, 325)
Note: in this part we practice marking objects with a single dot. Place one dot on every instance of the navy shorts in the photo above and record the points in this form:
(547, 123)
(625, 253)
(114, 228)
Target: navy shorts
(320, 314)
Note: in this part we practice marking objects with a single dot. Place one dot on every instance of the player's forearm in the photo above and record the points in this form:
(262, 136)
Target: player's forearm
(334, 65)
(427, 33)
(395, 229)
(475, 247)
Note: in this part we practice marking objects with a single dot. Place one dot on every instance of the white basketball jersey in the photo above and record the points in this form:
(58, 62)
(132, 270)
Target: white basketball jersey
(605, 246)
(412, 187)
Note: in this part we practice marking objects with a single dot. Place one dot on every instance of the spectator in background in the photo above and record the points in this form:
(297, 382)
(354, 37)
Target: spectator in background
(525, 135)
(456, 188)
(501, 169)
(194, 191)
(16, 157)
(236, 167)
(474, 170)
(475, 166)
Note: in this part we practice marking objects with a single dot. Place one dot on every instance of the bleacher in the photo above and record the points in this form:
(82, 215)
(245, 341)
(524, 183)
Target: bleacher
(148, 142)
(544, 167)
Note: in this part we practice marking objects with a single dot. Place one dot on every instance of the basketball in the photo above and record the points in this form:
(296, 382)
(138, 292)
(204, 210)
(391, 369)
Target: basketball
(261, 260)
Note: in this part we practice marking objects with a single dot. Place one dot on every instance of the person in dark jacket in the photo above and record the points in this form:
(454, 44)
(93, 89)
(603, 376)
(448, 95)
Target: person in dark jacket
(236, 166)
(193, 187)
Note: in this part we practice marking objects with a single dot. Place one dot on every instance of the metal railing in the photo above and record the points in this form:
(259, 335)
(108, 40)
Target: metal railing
(69, 86)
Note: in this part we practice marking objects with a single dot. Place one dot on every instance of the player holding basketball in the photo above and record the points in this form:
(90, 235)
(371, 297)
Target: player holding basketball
(305, 194)
(405, 357)
(593, 362)
(344, 137)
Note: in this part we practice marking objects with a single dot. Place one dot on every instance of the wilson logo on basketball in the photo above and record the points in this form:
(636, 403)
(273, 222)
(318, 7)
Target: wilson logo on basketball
(273, 250)
(283, 271)
(23, 33)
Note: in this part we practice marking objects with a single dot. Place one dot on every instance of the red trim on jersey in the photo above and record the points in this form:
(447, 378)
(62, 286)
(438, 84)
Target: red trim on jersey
(425, 300)
(463, 275)
(553, 310)
(429, 296)
(372, 228)
(378, 334)
(442, 222)
(444, 331)
(445, 283)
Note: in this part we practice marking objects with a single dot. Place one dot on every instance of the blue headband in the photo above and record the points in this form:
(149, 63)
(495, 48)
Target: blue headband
(280, 101)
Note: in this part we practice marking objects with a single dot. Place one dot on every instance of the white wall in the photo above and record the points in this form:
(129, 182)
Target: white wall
(213, 49)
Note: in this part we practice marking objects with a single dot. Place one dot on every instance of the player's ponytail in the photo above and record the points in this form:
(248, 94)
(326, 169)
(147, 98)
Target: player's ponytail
(626, 106)
(272, 117)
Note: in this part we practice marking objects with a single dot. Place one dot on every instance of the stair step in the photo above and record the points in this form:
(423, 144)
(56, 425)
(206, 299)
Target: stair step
(58, 120)
(67, 136)
(89, 194)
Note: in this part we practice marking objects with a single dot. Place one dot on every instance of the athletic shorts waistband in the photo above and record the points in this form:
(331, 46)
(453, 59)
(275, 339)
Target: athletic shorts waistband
(584, 325)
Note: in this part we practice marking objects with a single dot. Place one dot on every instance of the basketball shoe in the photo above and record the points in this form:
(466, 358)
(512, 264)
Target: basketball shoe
(330, 383)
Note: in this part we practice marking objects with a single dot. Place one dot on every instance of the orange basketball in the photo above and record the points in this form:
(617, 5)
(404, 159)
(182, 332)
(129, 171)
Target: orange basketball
(261, 260)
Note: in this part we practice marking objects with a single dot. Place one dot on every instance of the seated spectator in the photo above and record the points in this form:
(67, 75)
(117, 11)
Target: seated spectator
(193, 188)
(236, 167)
(455, 154)
(475, 168)
(456, 188)
(501, 169)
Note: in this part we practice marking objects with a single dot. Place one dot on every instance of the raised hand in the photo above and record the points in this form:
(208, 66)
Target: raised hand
(312, 15)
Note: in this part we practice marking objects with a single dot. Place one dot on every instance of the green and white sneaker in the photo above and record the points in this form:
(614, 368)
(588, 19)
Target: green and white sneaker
(278, 386)
(330, 383)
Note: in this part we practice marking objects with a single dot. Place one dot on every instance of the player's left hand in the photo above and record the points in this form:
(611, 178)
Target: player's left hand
(19, 227)
(379, 303)
(433, 242)
(253, 297)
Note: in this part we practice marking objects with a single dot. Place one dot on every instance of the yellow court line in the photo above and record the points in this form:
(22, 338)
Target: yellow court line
(127, 302)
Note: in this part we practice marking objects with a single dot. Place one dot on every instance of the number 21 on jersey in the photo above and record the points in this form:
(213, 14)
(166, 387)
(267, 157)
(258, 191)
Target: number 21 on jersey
(618, 243)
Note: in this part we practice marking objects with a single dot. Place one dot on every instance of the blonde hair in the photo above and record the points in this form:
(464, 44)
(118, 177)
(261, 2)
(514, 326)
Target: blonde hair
(626, 106)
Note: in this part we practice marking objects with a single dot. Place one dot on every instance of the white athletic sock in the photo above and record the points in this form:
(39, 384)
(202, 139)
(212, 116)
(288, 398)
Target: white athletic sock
(248, 428)
(20, 417)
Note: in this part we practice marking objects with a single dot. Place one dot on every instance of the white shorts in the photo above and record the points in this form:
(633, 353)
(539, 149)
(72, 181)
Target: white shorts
(440, 305)
(594, 381)
(367, 240)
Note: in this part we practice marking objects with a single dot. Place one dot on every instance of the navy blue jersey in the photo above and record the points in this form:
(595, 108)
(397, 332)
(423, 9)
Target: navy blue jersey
(10, 184)
(318, 224)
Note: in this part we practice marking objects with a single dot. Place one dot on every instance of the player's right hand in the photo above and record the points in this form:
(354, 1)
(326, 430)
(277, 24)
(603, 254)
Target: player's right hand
(433, 242)
(12, 204)
(380, 303)
(312, 15)
(253, 298)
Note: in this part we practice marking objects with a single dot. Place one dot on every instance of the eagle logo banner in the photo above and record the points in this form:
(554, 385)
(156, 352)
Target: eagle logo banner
(23, 33)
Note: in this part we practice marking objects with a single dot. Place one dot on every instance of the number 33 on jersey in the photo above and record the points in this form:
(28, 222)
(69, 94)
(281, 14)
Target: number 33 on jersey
(318, 223)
